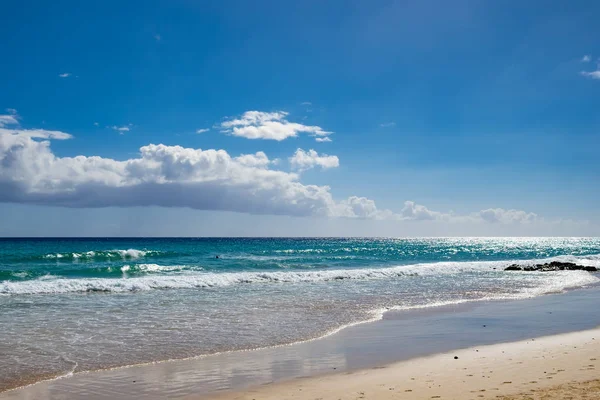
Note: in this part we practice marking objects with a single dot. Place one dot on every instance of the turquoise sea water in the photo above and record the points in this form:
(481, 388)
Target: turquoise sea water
(71, 305)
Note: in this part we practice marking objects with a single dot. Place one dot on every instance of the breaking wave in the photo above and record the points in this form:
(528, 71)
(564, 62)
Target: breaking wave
(104, 255)
(548, 281)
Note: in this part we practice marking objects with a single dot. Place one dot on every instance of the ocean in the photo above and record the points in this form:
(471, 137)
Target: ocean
(73, 305)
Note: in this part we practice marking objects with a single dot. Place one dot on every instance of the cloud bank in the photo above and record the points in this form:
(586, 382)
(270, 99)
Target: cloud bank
(174, 176)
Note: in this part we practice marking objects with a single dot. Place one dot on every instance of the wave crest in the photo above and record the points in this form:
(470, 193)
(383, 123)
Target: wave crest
(49, 284)
(104, 254)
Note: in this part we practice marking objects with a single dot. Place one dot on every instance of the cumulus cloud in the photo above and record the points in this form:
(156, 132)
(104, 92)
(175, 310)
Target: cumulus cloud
(257, 160)
(170, 176)
(413, 211)
(65, 75)
(500, 215)
(174, 176)
(586, 58)
(323, 139)
(203, 130)
(304, 160)
(269, 125)
(417, 212)
(592, 74)
(362, 207)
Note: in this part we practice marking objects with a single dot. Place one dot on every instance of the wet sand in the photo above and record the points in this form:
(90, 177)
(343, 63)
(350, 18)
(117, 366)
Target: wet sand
(553, 367)
(362, 350)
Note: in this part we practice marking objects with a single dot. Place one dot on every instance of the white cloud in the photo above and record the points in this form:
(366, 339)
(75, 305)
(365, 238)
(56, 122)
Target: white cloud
(120, 129)
(413, 211)
(174, 176)
(11, 111)
(586, 58)
(323, 139)
(257, 160)
(8, 120)
(268, 125)
(387, 124)
(359, 207)
(306, 103)
(500, 215)
(169, 176)
(592, 74)
(96, 124)
(34, 134)
(203, 130)
(65, 75)
(303, 160)
(362, 207)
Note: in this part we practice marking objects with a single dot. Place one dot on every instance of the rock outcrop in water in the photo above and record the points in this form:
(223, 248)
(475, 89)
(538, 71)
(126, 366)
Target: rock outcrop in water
(551, 266)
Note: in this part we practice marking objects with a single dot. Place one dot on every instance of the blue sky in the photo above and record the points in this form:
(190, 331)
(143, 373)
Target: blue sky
(483, 115)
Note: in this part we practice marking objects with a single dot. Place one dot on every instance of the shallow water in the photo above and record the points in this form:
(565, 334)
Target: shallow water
(401, 335)
(86, 304)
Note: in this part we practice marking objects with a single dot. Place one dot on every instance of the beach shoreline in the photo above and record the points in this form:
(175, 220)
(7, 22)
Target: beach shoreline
(534, 368)
(436, 330)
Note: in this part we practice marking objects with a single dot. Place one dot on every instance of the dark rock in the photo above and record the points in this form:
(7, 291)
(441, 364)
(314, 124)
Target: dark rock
(551, 266)
(514, 267)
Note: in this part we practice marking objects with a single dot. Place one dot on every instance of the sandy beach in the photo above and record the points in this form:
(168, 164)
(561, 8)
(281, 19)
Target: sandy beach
(546, 344)
(552, 367)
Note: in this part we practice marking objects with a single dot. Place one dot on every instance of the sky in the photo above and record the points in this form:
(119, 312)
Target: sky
(311, 118)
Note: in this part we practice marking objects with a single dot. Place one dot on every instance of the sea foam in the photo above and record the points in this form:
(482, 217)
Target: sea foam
(103, 254)
(548, 281)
